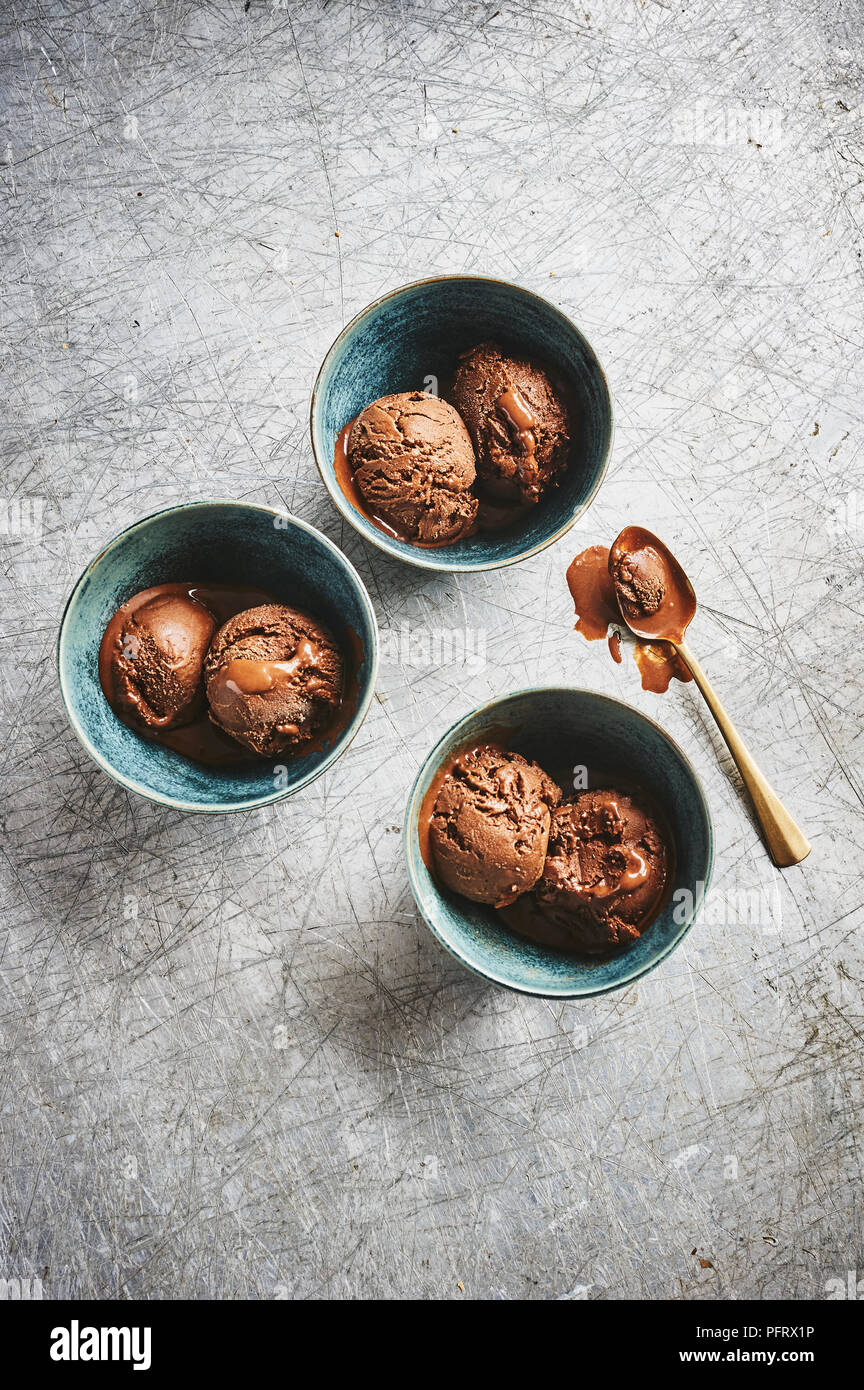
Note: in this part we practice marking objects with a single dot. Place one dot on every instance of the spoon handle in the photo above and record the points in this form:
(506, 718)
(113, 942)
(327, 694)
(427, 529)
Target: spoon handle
(786, 842)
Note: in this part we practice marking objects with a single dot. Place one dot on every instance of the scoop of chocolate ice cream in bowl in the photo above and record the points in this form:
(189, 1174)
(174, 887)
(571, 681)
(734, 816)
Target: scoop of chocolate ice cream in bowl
(558, 842)
(461, 423)
(217, 656)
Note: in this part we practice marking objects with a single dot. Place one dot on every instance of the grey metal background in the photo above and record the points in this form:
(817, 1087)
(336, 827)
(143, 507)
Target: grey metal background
(233, 1061)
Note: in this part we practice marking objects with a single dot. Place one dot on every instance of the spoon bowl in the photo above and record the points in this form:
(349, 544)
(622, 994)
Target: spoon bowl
(653, 592)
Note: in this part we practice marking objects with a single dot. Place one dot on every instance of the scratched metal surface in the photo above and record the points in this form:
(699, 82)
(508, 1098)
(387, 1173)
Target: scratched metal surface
(233, 1061)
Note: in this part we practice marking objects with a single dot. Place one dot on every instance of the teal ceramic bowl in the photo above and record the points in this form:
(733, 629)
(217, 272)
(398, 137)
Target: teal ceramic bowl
(225, 543)
(409, 341)
(578, 727)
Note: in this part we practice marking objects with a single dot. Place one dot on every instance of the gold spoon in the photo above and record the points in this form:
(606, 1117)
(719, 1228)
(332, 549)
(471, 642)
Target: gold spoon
(657, 601)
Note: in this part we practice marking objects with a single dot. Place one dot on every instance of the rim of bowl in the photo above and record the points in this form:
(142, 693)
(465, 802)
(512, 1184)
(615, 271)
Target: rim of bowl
(270, 798)
(350, 514)
(566, 993)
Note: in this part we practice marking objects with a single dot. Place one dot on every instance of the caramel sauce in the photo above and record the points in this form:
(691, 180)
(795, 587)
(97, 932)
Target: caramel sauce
(597, 608)
(658, 664)
(593, 592)
(246, 677)
(516, 410)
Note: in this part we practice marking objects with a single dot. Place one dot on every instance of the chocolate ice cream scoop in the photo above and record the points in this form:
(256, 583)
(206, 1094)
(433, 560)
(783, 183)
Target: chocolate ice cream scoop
(604, 877)
(518, 423)
(490, 824)
(274, 677)
(151, 658)
(413, 463)
(658, 603)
